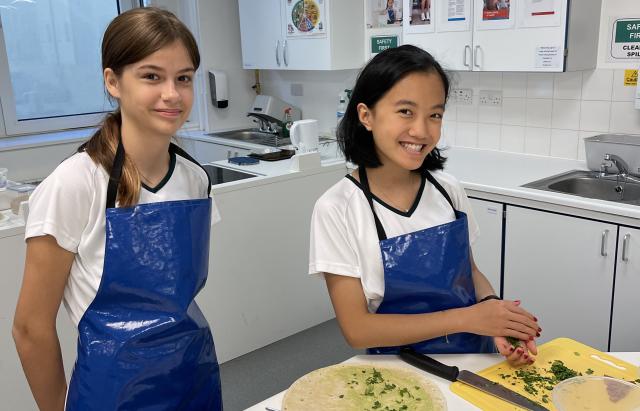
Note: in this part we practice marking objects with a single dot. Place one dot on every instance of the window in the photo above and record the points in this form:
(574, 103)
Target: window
(50, 68)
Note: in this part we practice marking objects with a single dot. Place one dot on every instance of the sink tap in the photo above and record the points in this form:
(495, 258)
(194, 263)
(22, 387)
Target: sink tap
(612, 159)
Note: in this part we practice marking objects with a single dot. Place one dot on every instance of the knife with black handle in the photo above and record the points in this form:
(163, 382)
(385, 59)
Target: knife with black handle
(428, 364)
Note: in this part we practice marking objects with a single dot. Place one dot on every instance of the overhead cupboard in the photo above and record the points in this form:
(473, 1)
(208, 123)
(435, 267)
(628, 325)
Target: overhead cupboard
(505, 35)
(302, 34)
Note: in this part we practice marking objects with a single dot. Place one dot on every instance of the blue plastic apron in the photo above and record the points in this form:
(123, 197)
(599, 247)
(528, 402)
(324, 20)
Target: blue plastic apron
(427, 271)
(143, 343)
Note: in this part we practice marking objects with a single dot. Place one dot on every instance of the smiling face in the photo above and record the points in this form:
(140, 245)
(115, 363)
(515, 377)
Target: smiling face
(406, 122)
(155, 94)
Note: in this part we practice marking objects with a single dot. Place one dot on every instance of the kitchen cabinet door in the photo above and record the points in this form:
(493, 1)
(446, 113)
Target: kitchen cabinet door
(449, 41)
(487, 249)
(625, 329)
(260, 34)
(561, 267)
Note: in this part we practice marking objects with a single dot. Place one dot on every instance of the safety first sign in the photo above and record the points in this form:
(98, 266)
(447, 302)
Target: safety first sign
(625, 39)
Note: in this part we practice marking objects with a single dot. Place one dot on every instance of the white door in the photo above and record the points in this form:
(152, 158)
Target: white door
(487, 249)
(447, 36)
(561, 268)
(260, 34)
(306, 53)
(625, 329)
(506, 42)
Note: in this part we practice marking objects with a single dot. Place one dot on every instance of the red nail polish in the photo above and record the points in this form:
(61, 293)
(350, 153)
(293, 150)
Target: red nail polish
(526, 357)
(537, 334)
(517, 301)
(539, 329)
(535, 319)
(511, 348)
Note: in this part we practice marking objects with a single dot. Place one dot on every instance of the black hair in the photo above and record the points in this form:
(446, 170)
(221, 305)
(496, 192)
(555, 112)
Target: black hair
(374, 81)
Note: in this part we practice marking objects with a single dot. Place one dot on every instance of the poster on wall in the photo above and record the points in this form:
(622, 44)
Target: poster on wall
(384, 13)
(454, 16)
(541, 13)
(419, 16)
(624, 39)
(305, 18)
(494, 14)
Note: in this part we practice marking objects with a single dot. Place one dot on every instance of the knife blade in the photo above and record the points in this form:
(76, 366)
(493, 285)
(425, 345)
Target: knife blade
(428, 364)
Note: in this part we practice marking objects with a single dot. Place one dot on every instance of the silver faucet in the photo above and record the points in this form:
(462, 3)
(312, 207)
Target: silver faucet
(264, 125)
(612, 159)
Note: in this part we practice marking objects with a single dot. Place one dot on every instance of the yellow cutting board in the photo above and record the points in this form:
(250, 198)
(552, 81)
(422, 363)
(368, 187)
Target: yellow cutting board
(577, 356)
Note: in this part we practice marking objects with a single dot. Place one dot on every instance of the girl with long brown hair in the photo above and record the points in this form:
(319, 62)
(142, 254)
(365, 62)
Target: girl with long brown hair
(119, 232)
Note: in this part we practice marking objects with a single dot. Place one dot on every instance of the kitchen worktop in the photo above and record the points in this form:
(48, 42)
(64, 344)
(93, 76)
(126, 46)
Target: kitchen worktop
(471, 362)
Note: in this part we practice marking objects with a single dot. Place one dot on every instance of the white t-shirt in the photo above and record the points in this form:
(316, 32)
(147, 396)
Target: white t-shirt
(344, 240)
(70, 206)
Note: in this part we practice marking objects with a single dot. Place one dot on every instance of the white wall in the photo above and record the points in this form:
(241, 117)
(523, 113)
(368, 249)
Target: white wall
(542, 113)
(220, 49)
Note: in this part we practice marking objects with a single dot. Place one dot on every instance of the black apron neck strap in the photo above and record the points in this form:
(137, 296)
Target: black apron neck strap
(441, 189)
(118, 162)
(175, 149)
(364, 181)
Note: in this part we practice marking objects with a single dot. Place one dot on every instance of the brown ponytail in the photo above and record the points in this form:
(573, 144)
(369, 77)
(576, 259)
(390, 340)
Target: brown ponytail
(129, 38)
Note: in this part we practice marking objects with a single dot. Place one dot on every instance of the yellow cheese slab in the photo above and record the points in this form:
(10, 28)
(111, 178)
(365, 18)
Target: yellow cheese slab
(574, 355)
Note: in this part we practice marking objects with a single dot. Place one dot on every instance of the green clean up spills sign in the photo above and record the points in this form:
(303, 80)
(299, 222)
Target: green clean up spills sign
(625, 38)
(381, 43)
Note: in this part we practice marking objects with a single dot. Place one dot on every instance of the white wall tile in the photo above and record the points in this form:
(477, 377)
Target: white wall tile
(540, 85)
(597, 84)
(620, 91)
(539, 112)
(448, 135)
(490, 81)
(566, 114)
(489, 136)
(624, 118)
(594, 115)
(564, 143)
(514, 85)
(537, 141)
(512, 139)
(466, 79)
(489, 114)
(450, 111)
(467, 135)
(467, 113)
(514, 111)
(568, 85)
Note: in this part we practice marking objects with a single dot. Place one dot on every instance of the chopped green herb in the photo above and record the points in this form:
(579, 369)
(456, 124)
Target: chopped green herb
(369, 390)
(589, 371)
(576, 353)
(340, 396)
(376, 405)
(513, 341)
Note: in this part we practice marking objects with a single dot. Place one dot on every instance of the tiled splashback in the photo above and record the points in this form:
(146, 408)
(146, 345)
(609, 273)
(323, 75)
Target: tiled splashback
(541, 113)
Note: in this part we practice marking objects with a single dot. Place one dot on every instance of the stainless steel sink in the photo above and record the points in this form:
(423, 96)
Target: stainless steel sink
(253, 136)
(588, 184)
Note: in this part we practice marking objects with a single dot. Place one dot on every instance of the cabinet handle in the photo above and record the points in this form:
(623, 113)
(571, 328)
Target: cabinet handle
(285, 52)
(236, 154)
(475, 57)
(603, 244)
(625, 247)
(464, 62)
(228, 154)
(278, 52)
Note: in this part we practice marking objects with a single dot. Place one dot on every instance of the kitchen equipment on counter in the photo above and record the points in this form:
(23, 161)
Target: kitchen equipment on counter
(426, 363)
(243, 161)
(304, 135)
(626, 146)
(574, 355)
(271, 109)
(275, 155)
(596, 393)
(219, 175)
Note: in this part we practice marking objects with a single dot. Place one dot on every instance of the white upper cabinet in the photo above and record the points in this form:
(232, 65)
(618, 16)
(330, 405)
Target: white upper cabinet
(538, 36)
(276, 35)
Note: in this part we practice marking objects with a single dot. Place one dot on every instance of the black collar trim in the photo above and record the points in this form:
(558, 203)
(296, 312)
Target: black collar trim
(413, 208)
(167, 177)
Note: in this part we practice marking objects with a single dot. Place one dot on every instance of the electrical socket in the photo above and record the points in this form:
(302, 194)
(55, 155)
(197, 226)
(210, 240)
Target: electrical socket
(297, 90)
(491, 98)
(463, 96)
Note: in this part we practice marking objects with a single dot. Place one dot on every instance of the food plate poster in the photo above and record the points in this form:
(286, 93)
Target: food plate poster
(306, 18)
